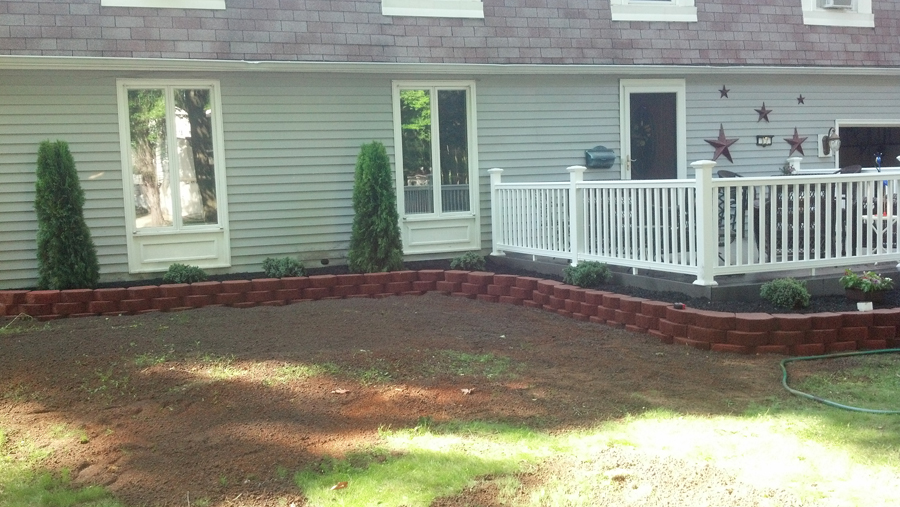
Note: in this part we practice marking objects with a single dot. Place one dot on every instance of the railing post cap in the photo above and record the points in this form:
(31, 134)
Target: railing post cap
(703, 163)
(576, 168)
(495, 170)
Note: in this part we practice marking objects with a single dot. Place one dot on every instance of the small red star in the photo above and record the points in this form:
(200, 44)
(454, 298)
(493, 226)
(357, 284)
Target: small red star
(723, 93)
(763, 113)
(801, 99)
(796, 143)
(721, 144)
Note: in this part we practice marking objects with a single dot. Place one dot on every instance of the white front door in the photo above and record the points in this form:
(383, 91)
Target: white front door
(436, 166)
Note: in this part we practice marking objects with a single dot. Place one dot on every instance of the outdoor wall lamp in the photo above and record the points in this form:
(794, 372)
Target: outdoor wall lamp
(831, 143)
(764, 141)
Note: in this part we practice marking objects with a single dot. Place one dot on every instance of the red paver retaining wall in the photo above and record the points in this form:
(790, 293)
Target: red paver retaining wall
(745, 333)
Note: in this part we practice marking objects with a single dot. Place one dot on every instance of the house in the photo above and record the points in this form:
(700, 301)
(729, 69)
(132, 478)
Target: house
(217, 133)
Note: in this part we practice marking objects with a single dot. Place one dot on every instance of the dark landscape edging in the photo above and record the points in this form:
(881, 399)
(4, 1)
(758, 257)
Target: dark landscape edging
(745, 333)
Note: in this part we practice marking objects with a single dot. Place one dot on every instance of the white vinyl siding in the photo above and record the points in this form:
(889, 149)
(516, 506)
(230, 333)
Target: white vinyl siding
(534, 128)
(80, 110)
(291, 143)
(825, 102)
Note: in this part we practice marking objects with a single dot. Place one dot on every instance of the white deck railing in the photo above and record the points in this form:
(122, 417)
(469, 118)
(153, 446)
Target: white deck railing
(706, 226)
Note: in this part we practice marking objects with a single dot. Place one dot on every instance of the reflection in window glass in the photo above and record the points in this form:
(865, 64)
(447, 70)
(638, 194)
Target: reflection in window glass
(172, 192)
(453, 137)
(195, 157)
(415, 125)
(149, 158)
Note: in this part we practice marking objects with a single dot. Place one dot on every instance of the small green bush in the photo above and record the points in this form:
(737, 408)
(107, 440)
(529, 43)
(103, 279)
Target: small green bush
(180, 273)
(283, 266)
(587, 274)
(785, 293)
(469, 261)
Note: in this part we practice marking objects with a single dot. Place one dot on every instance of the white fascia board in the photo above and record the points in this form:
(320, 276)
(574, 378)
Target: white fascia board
(18, 62)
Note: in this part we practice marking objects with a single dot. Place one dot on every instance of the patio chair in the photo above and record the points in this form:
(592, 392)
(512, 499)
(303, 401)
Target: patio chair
(810, 205)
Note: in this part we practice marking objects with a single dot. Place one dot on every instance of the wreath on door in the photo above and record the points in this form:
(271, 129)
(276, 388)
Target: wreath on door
(642, 142)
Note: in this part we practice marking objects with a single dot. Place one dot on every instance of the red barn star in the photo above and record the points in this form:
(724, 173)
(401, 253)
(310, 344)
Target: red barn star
(723, 93)
(796, 143)
(763, 113)
(721, 144)
(801, 99)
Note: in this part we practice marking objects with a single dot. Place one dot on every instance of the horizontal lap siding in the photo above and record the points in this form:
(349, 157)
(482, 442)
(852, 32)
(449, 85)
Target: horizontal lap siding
(78, 108)
(535, 127)
(291, 143)
(826, 99)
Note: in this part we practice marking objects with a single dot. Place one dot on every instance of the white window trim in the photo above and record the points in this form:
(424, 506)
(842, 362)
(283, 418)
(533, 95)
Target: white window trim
(649, 10)
(433, 8)
(141, 241)
(439, 220)
(860, 16)
(864, 123)
(166, 4)
(676, 86)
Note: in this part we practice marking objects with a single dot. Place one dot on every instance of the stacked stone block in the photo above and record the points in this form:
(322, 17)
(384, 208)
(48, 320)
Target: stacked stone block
(751, 333)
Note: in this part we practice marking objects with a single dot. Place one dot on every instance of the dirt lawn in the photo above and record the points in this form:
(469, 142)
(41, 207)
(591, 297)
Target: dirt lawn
(165, 407)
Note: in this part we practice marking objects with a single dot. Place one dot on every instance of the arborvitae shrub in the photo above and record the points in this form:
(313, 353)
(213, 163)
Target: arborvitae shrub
(469, 261)
(66, 255)
(181, 273)
(587, 274)
(283, 266)
(375, 243)
(786, 293)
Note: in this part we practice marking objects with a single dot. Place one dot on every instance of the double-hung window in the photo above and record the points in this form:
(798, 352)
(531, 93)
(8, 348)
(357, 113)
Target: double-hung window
(433, 8)
(838, 13)
(173, 174)
(653, 10)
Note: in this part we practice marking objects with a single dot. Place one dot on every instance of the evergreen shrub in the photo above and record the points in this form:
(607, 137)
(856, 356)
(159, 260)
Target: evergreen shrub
(66, 255)
(283, 266)
(785, 293)
(469, 261)
(587, 274)
(181, 273)
(375, 243)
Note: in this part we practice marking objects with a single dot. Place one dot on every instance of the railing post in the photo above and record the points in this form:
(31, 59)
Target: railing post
(496, 222)
(576, 176)
(794, 162)
(707, 234)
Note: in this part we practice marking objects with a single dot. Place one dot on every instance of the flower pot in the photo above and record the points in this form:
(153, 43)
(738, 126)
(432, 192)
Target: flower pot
(876, 296)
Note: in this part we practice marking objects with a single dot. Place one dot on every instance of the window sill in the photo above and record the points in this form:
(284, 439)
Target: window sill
(433, 8)
(685, 14)
(166, 4)
(838, 18)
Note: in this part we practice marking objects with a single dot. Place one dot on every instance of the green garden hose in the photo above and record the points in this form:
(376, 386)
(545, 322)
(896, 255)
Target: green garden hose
(829, 402)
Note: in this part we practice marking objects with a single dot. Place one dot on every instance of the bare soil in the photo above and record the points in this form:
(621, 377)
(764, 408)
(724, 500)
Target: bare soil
(169, 408)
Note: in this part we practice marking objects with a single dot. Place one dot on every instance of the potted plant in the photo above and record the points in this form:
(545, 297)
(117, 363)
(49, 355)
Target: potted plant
(865, 286)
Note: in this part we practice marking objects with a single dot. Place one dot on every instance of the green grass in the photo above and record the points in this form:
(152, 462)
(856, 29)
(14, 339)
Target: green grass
(866, 381)
(23, 323)
(23, 484)
(808, 450)
(813, 451)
